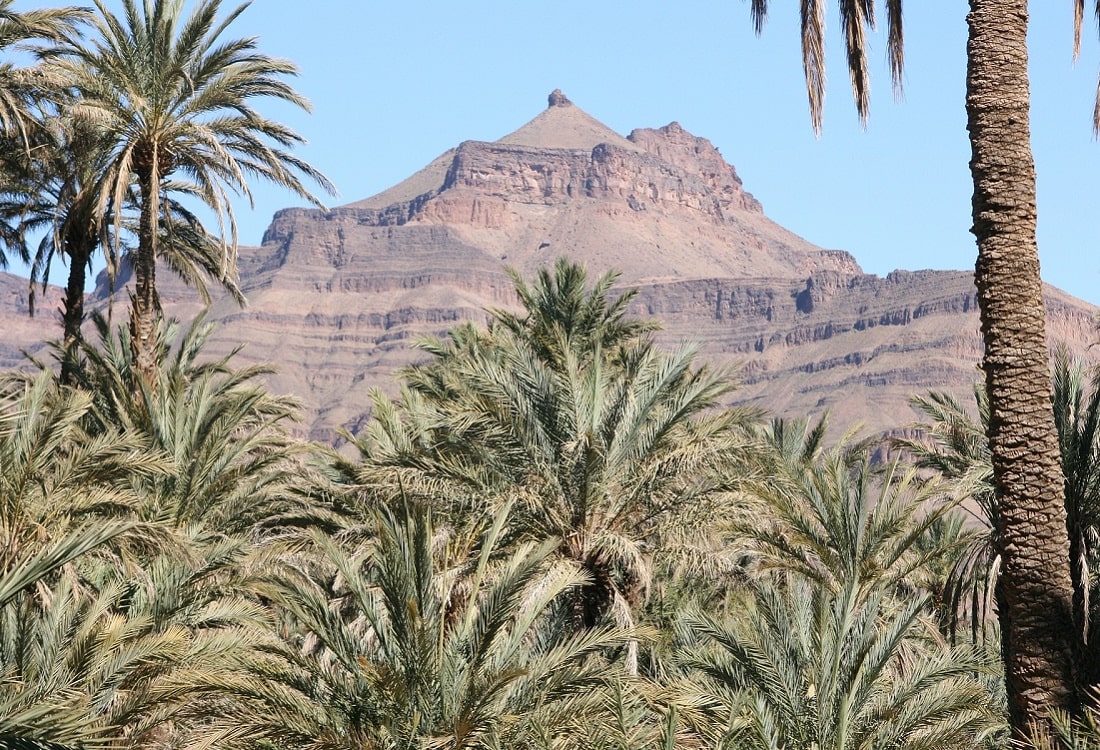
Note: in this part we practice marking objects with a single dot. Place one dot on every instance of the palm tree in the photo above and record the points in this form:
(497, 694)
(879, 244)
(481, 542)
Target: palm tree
(235, 467)
(563, 315)
(808, 667)
(63, 491)
(605, 443)
(118, 665)
(954, 448)
(1079, 733)
(197, 593)
(842, 522)
(178, 99)
(389, 648)
(20, 87)
(639, 718)
(125, 646)
(1036, 619)
(953, 444)
(66, 502)
(43, 701)
(53, 189)
(1077, 419)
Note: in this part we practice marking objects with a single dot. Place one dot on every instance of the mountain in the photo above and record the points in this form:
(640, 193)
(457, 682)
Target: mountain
(337, 298)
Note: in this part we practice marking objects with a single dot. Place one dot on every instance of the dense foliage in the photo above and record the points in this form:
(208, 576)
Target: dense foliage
(558, 535)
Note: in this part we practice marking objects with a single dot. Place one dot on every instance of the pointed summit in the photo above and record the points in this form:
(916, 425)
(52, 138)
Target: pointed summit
(558, 99)
(564, 125)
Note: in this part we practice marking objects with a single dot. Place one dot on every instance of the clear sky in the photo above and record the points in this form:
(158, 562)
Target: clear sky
(394, 84)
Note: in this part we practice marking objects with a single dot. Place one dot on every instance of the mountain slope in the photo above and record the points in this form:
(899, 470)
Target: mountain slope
(336, 299)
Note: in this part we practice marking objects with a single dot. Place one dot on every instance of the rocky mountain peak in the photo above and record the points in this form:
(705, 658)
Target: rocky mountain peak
(564, 125)
(558, 99)
(337, 297)
(659, 204)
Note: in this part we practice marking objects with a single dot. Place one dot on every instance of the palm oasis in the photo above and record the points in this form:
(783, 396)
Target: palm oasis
(558, 533)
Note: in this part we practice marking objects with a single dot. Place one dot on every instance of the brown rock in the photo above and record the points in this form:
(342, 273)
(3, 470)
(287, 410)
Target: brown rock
(337, 299)
(558, 99)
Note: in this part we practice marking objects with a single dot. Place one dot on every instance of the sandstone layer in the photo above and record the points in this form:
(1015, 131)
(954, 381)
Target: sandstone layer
(338, 298)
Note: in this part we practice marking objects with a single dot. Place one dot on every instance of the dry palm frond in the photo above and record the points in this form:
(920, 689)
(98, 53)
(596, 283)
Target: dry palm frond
(857, 17)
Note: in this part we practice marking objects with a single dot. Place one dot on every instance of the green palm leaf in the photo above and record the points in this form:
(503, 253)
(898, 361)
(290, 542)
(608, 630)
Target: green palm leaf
(393, 653)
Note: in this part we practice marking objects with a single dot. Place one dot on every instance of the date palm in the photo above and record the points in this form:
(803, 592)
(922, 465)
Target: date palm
(1036, 621)
(953, 447)
(234, 466)
(605, 442)
(119, 664)
(563, 315)
(1077, 419)
(178, 98)
(1078, 733)
(63, 491)
(122, 646)
(50, 189)
(53, 190)
(841, 522)
(49, 653)
(67, 507)
(21, 87)
(953, 444)
(807, 667)
(389, 647)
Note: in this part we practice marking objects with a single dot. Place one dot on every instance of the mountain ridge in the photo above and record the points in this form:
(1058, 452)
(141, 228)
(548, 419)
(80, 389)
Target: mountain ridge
(337, 298)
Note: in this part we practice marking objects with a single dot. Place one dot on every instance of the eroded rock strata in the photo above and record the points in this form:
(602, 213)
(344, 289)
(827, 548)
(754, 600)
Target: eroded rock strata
(337, 298)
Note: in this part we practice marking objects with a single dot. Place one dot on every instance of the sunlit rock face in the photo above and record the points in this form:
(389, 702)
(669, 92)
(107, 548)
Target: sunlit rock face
(337, 299)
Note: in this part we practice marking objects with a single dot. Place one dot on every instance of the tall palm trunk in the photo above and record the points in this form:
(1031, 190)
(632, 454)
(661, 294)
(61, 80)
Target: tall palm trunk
(144, 307)
(79, 249)
(1036, 615)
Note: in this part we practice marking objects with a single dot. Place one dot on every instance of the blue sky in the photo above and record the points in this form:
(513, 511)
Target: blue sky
(396, 84)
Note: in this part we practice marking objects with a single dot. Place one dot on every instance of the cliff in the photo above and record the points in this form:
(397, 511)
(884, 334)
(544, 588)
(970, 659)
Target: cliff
(337, 298)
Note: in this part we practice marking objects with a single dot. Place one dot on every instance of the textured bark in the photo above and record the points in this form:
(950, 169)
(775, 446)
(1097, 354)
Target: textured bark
(1036, 614)
(144, 309)
(72, 315)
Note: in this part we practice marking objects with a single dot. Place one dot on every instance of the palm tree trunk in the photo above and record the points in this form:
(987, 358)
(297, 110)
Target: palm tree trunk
(1036, 614)
(72, 316)
(143, 300)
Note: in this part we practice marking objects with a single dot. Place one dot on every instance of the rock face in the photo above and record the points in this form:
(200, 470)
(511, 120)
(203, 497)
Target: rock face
(23, 334)
(336, 299)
